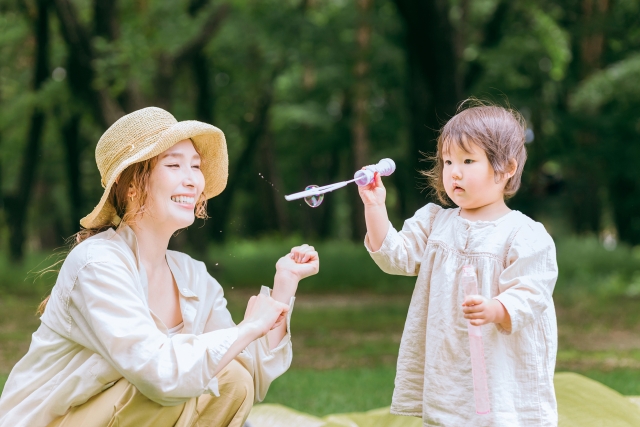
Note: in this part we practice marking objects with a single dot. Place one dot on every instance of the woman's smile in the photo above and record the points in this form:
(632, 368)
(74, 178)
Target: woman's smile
(186, 201)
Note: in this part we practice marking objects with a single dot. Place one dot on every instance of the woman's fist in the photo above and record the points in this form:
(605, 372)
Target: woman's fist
(302, 261)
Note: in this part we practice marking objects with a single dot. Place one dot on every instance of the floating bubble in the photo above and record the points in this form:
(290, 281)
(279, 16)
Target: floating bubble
(313, 201)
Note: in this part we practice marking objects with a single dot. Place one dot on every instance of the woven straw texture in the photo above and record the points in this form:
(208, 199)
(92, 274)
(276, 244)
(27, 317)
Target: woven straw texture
(144, 134)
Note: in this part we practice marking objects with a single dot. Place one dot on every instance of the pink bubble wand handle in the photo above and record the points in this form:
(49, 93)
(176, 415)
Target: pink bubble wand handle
(469, 283)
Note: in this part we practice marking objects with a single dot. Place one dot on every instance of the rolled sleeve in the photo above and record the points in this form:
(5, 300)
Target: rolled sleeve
(402, 251)
(114, 321)
(266, 364)
(526, 285)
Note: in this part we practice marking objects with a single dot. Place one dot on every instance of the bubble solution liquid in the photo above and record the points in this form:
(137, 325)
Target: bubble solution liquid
(469, 283)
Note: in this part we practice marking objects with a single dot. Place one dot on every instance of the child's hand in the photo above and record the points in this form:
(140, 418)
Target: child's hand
(480, 311)
(302, 261)
(373, 194)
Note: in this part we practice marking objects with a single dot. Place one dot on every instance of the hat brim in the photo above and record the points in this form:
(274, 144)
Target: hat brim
(209, 142)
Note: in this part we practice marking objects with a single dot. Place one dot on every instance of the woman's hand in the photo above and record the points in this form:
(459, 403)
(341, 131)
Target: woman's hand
(302, 262)
(262, 315)
(373, 194)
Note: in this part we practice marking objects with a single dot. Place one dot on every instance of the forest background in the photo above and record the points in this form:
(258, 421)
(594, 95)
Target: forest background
(307, 92)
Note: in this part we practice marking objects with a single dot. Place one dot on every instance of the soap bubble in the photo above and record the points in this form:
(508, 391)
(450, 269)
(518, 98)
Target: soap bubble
(313, 201)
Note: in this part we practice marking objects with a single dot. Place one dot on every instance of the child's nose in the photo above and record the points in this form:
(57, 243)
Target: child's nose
(455, 173)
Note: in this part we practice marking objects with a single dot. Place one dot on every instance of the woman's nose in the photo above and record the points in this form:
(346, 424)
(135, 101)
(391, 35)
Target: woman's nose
(190, 178)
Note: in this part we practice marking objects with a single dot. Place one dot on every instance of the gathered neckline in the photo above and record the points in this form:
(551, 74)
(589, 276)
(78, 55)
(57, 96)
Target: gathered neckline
(484, 222)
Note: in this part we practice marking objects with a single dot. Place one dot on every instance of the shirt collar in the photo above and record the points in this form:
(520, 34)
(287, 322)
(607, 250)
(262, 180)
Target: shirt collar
(127, 234)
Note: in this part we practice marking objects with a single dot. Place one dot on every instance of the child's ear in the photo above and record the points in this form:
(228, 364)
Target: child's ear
(513, 167)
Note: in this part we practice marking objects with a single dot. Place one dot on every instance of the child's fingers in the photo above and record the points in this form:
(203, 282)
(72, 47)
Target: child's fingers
(473, 300)
(378, 180)
(471, 316)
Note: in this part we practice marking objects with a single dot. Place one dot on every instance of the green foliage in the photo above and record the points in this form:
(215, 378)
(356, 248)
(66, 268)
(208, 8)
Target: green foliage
(618, 83)
(586, 269)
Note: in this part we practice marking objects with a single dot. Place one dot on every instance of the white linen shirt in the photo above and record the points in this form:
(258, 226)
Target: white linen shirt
(98, 328)
(514, 258)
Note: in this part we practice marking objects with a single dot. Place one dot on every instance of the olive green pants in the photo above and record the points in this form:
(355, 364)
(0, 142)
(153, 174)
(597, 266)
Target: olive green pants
(123, 405)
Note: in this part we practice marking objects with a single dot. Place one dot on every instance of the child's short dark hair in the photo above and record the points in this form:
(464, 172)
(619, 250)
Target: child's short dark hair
(499, 131)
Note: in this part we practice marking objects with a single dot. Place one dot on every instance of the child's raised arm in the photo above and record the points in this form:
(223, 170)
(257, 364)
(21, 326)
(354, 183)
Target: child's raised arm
(375, 212)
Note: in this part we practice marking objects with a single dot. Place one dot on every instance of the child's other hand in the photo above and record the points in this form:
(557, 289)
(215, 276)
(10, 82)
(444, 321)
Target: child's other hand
(481, 311)
(373, 194)
(303, 261)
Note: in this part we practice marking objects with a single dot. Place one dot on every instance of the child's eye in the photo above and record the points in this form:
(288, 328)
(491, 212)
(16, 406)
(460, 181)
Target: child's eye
(196, 166)
(173, 166)
(468, 161)
(447, 162)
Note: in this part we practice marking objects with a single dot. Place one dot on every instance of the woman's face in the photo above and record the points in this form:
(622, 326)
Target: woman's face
(175, 185)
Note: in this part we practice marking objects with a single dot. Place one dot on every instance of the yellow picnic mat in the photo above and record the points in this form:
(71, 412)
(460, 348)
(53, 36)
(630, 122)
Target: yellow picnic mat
(582, 402)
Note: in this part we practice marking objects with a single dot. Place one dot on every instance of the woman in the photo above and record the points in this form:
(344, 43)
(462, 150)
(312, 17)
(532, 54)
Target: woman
(135, 334)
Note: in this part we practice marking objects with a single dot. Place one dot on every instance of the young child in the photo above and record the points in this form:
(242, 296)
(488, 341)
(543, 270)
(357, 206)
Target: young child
(479, 164)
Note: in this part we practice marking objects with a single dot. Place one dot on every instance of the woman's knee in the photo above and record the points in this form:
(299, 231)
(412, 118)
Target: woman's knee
(234, 380)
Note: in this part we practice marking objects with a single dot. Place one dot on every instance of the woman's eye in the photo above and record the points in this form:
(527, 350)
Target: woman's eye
(173, 166)
(468, 161)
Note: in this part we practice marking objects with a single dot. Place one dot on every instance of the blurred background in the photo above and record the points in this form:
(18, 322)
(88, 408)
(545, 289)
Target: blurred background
(307, 92)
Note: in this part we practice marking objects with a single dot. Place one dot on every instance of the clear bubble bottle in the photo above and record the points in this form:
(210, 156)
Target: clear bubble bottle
(469, 283)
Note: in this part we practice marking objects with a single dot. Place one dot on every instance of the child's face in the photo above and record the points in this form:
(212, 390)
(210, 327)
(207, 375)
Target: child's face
(468, 177)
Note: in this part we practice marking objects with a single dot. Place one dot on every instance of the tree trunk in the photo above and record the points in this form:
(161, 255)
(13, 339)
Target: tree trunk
(360, 123)
(220, 206)
(73, 148)
(16, 205)
(435, 86)
(275, 178)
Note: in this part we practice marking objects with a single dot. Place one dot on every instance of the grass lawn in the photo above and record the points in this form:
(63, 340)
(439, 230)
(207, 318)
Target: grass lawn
(347, 322)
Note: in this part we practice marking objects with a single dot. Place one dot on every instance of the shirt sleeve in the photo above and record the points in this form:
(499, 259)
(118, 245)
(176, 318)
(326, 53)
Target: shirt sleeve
(402, 251)
(112, 319)
(526, 285)
(264, 364)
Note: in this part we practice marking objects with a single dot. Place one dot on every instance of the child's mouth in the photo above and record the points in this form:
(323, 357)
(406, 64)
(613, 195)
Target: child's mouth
(457, 188)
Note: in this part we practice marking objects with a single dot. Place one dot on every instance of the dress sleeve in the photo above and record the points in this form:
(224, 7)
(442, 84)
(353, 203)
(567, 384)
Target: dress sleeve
(526, 285)
(113, 320)
(401, 252)
(264, 364)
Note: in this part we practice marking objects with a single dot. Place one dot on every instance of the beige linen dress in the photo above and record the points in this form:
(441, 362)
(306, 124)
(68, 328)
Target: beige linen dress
(98, 329)
(515, 260)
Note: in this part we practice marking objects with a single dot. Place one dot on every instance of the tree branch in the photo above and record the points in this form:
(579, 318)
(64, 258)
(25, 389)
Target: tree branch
(210, 27)
(80, 65)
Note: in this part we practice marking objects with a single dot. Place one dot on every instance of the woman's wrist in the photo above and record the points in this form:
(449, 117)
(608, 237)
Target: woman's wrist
(285, 285)
(249, 331)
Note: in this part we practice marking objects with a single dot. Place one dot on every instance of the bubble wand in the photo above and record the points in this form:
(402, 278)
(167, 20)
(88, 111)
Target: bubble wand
(314, 195)
(469, 283)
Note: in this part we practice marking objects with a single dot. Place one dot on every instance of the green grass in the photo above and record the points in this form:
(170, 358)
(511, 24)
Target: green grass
(624, 381)
(3, 380)
(334, 391)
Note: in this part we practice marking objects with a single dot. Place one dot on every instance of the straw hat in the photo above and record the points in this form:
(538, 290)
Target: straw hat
(144, 134)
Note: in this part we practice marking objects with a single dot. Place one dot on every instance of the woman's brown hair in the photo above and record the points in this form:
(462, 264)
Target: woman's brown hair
(137, 176)
(499, 131)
